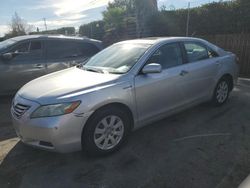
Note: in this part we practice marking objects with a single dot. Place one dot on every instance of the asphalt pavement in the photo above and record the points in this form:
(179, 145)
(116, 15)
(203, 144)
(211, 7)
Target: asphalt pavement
(202, 147)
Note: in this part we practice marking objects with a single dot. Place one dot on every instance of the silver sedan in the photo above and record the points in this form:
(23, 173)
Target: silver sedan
(124, 87)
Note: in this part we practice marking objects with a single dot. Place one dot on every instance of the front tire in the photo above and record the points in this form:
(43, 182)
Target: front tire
(221, 92)
(106, 131)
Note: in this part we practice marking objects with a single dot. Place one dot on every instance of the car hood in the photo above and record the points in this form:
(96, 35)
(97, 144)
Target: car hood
(64, 84)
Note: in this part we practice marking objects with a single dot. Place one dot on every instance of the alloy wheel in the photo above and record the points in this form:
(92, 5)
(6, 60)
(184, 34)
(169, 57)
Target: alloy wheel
(108, 132)
(222, 92)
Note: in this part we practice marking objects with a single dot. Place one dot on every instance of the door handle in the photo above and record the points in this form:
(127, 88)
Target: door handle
(183, 73)
(39, 66)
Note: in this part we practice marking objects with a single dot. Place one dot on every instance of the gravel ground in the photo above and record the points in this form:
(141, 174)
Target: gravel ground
(203, 147)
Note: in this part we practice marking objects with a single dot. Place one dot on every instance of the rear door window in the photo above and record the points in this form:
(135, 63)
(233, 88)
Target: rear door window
(57, 49)
(70, 49)
(35, 45)
(195, 51)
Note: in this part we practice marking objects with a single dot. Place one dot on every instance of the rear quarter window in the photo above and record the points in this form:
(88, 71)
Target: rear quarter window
(212, 53)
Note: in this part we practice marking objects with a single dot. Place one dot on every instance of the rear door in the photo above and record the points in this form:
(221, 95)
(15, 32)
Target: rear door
(200, 72)
(61, 54)
(28, 62)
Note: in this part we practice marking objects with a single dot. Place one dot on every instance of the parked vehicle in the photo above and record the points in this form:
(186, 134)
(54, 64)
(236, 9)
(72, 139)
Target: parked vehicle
(122, 88)
(27, 57)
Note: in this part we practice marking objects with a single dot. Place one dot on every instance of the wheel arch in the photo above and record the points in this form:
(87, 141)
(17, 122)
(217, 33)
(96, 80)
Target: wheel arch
(228, 77)
(119, 105)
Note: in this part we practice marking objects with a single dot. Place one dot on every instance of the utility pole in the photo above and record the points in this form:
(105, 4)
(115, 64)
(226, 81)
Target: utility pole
(91, 30)
(188, 19)
(45, 25)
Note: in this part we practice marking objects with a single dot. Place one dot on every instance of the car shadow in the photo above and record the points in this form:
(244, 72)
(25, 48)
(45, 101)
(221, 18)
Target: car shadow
(6, 131)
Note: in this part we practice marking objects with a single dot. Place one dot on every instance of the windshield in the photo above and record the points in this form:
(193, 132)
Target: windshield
(6, 43)
(118, 59)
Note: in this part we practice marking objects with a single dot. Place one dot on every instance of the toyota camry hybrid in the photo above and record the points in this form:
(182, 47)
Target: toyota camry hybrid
(94, 106)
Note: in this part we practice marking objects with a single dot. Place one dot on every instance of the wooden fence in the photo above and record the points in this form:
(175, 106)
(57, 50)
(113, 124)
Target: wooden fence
(238, 44)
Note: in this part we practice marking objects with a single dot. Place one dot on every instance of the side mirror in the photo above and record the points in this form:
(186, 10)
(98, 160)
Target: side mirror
(7, 56)
(152, 68)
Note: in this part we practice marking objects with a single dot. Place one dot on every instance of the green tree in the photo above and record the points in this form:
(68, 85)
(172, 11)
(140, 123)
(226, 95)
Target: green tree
(128, 5)
(114, 18)
(224, 17)
(129, 16)
(93, 30)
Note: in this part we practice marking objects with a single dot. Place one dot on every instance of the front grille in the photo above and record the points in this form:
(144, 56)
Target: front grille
(20, 109)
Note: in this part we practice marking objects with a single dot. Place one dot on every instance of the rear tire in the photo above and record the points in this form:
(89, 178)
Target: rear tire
(221, 92)
(106, 131)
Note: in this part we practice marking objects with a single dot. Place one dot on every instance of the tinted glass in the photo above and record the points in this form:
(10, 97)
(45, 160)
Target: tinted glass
(24, 47)
(195, 52)
(70, 49)
(28, 51)
(167, 56)
(35, 45)
(58, 49)
(88, 49)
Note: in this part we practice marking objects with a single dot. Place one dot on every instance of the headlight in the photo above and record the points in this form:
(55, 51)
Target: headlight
(55, 109)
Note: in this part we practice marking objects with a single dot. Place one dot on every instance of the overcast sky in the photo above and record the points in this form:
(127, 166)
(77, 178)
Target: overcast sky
(60, 13)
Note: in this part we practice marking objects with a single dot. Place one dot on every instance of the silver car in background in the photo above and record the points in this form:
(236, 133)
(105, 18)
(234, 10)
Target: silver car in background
(25, 58)
(122, 88)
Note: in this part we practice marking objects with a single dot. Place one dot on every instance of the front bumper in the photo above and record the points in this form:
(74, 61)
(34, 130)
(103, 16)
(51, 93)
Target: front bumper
(59, 133)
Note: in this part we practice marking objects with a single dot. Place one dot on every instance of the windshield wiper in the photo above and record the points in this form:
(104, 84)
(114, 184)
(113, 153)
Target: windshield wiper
(80, 65)
(115, 72)
(92, 69)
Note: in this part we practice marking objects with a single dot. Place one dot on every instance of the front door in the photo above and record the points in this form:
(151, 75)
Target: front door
(27, 63)
(159, 93)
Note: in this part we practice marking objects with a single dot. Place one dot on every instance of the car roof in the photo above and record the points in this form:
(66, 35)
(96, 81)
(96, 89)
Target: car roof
(158, 40)
(25, 37)
(155, 40)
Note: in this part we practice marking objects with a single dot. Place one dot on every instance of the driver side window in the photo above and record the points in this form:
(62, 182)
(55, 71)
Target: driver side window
(33, 46)
(21, 48)
(168, 55)
(28, 51)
